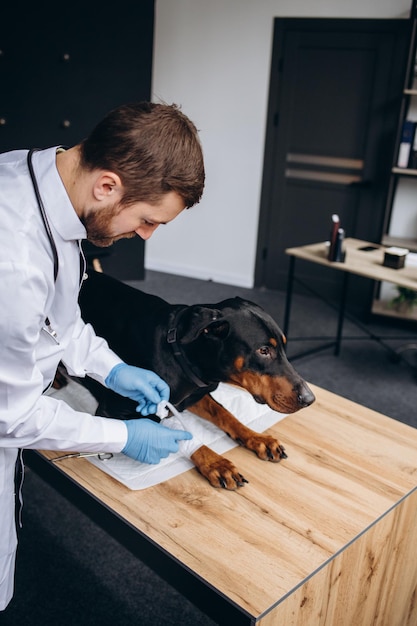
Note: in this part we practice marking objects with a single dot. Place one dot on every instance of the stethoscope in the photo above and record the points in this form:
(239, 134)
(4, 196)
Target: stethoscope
(48, 328)
(43, 212)
(103, 456)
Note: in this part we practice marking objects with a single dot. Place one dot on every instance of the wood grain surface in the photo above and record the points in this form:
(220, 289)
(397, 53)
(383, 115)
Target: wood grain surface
(368, 264)
(306, 538)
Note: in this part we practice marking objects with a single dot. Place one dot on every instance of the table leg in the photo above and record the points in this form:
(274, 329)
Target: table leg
(288, 301)
(342, 307)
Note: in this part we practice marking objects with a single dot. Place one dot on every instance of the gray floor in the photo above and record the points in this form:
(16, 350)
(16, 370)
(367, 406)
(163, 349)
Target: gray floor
(70, 572)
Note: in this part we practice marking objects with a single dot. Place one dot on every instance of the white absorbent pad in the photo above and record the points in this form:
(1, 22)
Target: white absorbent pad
(136, 475)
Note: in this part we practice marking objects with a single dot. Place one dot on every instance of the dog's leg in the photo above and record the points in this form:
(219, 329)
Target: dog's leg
(219, 471)
(267, 448)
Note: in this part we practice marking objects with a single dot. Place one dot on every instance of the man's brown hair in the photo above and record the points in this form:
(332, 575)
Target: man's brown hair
(154, 148)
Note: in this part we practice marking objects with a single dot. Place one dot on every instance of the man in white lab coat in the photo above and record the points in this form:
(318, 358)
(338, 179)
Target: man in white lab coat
(139, 168)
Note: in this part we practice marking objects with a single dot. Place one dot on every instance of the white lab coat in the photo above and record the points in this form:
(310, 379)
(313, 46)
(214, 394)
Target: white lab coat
(29, 356)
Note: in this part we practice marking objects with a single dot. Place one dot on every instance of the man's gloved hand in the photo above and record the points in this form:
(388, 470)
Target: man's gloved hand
(149, 442)
(143, 386)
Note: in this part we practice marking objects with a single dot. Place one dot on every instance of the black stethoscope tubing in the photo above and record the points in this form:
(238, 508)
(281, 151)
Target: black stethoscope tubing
(43, 212)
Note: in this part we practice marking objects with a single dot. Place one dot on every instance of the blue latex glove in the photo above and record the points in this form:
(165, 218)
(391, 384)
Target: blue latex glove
(143, 386)
(149, 442)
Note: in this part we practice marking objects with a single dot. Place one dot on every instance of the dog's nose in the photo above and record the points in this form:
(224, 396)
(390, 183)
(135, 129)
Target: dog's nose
(305, 396)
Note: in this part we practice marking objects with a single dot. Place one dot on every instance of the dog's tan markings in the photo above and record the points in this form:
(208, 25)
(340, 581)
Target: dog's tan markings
(273, 342)
(220, 472)
(266, 447)
(276, 391)
(239, 362)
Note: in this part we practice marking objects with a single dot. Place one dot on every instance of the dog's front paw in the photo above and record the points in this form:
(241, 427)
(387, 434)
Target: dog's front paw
(220, 472)
(267, 448)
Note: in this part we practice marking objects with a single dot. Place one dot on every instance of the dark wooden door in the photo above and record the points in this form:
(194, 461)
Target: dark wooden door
(335, 91)
(62, 67)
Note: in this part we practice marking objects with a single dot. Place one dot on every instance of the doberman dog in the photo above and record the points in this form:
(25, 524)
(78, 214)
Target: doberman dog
(194, 348)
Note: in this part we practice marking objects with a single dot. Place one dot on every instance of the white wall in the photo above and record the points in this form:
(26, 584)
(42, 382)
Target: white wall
(213, 58)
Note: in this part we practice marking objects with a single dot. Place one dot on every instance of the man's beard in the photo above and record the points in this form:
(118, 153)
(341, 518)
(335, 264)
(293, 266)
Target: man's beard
(97, 222)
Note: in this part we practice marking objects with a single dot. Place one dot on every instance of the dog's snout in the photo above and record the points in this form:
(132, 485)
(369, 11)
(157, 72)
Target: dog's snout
(305, 396)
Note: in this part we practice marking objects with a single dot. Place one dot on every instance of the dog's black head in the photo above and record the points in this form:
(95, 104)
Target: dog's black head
(237, 342)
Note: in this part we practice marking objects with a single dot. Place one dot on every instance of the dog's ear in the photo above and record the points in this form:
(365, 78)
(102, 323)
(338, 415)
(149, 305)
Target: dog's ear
(207, 321)
(217, 330)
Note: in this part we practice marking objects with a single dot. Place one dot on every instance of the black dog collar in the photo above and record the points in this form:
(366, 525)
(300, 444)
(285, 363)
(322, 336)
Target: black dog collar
(178, 351)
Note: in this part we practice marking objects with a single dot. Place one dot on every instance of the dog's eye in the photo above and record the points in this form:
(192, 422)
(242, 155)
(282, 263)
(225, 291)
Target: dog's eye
(265, 351)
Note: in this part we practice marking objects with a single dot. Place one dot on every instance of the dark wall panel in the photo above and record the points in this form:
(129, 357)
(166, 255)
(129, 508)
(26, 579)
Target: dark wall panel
(64, 66)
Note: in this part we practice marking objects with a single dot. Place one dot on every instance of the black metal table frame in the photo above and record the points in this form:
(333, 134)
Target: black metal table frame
(342, 314)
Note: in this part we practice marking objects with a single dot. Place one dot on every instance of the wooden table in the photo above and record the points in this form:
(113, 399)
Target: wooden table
(359, 261)
(327, 537)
